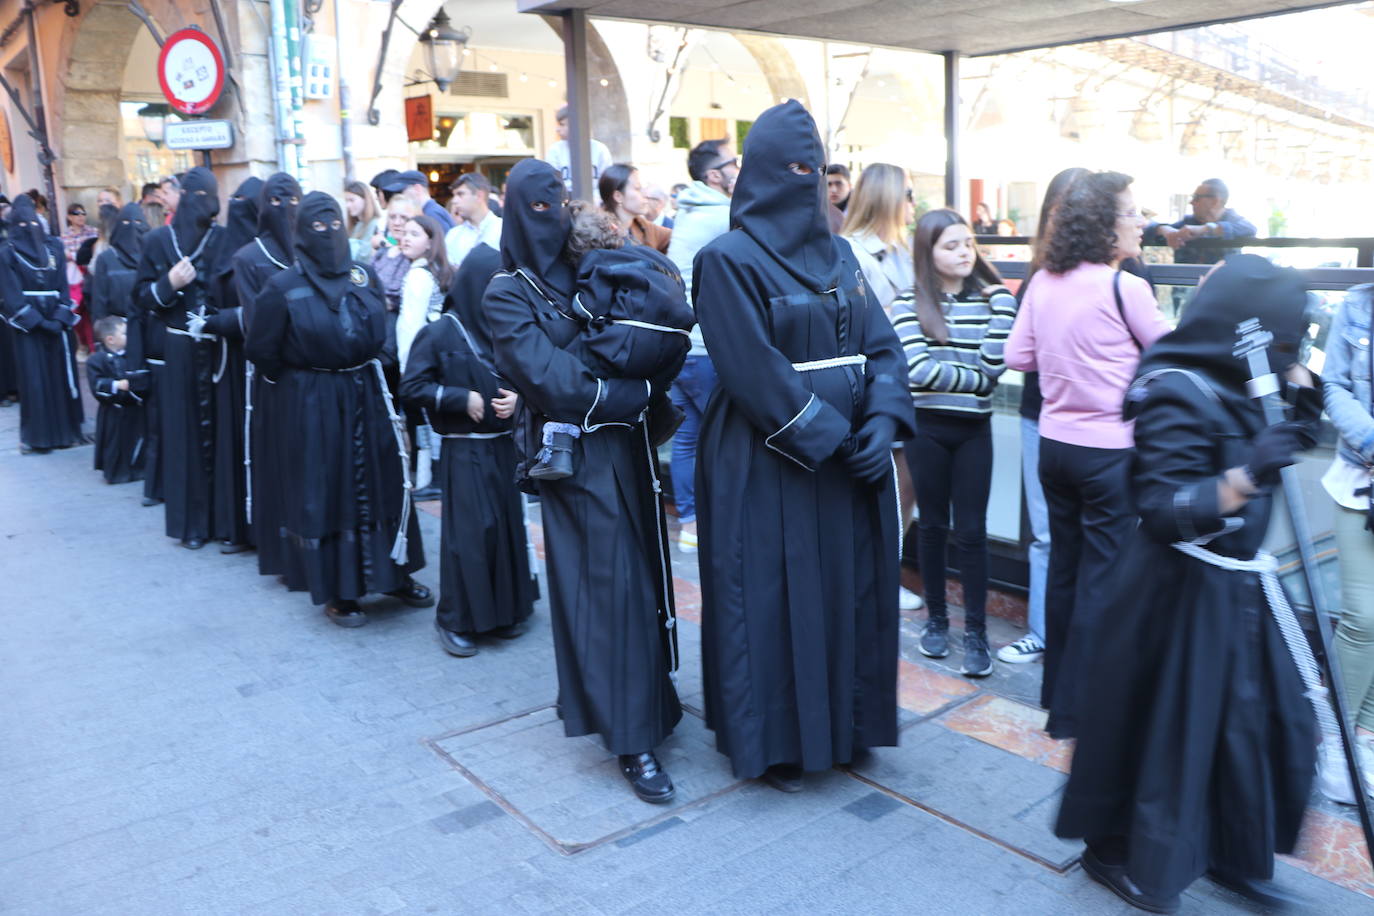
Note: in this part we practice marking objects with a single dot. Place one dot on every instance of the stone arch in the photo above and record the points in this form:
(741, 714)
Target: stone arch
(88, 76)
(778, 66)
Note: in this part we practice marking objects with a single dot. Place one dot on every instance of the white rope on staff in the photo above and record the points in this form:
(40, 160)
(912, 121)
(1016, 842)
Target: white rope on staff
(248, 441)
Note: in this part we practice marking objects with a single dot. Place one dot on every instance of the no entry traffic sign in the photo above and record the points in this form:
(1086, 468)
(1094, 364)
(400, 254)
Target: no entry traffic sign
(190, 70)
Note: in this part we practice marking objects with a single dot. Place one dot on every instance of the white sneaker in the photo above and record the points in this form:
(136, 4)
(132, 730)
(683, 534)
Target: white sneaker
(908, 600)
(1364, 756)
(1333, 776)
(1026, 649)
(687, 542)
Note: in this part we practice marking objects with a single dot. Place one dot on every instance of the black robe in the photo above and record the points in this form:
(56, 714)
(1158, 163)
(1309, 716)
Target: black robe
(799, 560)
(39, 310)
(605, 538)
(146, 349)
(252, 267)
(110, 285)
(342, 468)
(484, 574)
(231, 386)
(186, 391)
(119, 420)
(9, 367)
(1198, 744)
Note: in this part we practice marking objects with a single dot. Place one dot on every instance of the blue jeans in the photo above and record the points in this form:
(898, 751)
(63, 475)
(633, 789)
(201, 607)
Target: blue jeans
(690, 392)
(1039, 552)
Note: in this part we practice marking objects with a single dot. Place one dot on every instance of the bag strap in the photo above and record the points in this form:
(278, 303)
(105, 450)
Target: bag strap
(1121, 308)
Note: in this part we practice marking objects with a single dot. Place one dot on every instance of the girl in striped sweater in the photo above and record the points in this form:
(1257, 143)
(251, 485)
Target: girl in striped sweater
(953, 326)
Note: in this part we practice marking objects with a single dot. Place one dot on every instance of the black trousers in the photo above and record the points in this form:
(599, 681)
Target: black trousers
(950, 459)
(1088, 495)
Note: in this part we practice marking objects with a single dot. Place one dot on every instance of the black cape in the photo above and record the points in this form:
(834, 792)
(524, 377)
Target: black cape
(185, 393)
(605, 539)
(119, 419)
(37, 306)
(341, 471)
(1196, 743)
(253, 266)
(799, 560)
(484, 570)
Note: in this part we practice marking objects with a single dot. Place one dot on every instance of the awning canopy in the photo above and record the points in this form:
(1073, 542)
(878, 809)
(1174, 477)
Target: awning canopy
(970, 27)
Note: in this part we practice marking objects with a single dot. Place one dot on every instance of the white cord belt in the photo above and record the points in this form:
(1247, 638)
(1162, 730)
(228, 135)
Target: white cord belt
(39, 292)
(1267, 568)
(471, 435)
(199, 337)
(831, 363)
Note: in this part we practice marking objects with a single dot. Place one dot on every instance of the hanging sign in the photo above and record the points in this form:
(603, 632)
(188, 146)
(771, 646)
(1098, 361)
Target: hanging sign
(190, 70)
(419, 118)
(199, 135)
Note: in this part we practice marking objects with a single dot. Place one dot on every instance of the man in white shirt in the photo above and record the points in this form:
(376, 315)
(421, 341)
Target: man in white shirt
(479, 226)
(560, 157)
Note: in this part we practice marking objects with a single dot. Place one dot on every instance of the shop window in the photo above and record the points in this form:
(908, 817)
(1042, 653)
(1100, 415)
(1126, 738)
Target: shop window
(481, 133)
(677, 129)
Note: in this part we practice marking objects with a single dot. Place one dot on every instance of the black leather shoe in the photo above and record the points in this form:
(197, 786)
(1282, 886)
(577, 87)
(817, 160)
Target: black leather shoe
(1115, 879)
(193, 543)
(1257, 890)
(510, 631)
(228, 547)
(345, 613)
(459, 645)
(647, 778)
(151, 501)
(785, 777)
(414, 594)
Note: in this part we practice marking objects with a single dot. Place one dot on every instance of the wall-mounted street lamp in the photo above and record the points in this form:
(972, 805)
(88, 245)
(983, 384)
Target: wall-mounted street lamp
(153, 117)
(444, 48)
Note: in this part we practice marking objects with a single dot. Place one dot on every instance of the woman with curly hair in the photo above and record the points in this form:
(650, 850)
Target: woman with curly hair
(1082, 325)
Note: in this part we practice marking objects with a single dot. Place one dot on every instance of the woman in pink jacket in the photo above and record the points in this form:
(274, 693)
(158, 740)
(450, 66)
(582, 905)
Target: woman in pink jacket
(1083, 325)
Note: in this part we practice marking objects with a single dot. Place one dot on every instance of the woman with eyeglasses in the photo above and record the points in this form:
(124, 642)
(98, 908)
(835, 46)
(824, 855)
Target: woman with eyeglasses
(77, 233)
(346, 515)
(1082, 325)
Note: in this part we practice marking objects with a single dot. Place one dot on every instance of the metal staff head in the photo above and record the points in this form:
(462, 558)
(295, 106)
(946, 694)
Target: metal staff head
(1252, 345)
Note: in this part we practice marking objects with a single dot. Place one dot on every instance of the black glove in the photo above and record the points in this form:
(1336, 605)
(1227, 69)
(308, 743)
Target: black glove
(872, 458)
(1273, 450)
(1307, 409)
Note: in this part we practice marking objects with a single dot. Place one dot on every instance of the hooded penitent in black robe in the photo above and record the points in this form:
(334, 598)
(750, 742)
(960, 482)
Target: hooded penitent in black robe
(110, 286)
(1197, 747)
(484, 574)
(146, 347)
(186, 391)
(33, 294)
(605, 542)
(316, 330)
(799, 558)
(253, 265)
(119, 419)
(230, 513)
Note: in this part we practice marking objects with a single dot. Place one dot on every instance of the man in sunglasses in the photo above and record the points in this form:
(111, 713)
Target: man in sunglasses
(1210, 219)
(703, 214)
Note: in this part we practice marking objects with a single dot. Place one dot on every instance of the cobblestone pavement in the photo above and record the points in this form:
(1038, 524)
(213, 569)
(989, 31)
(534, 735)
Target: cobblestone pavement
(180, 735)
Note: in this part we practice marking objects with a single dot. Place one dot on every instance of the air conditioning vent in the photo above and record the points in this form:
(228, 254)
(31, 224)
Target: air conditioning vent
(480, 83)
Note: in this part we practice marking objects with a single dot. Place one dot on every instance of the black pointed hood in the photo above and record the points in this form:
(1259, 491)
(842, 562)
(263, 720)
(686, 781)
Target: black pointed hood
(786, 213)
(533, 240)
(241, 223)
(464, 297)
(197, 209)
(127, 236)
(277, 220)
(1243, 287)
(322, 246)
(26, 231)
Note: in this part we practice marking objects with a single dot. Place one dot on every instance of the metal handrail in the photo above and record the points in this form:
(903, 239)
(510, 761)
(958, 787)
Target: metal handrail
(1364, 247)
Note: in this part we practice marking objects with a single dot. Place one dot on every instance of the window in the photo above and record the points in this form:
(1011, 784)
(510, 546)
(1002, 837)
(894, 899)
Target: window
(677, 129)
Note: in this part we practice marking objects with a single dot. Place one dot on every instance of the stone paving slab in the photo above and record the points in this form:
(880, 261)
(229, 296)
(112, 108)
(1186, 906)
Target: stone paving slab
(586, 804)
